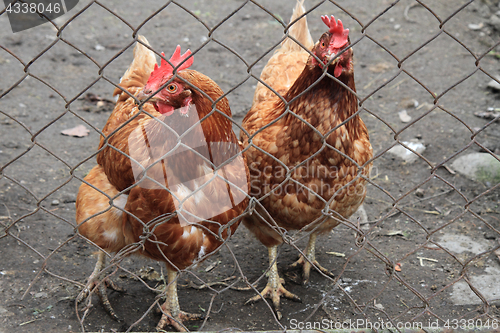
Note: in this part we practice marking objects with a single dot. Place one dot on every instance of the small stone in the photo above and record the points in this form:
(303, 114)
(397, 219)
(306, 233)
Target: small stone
(404, 116)
(495, 22)
(419, 193)
(41, 294)
(55, 202)
(406, 154)
(68, 198)
(481, 8)
(360, 215)
(11, 145)
(490, 234)
(494, 84)
(491, 146)
(478, 26)
(397, 26)
(99, 47)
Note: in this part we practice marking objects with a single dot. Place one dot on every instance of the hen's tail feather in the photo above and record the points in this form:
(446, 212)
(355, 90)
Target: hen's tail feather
(139, 71)
(299, 30)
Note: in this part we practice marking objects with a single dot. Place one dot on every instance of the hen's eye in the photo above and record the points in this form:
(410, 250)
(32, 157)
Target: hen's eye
(172, 88)
(323, 44)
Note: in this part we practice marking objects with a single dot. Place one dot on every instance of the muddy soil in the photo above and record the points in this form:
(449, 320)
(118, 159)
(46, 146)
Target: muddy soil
(427, 230)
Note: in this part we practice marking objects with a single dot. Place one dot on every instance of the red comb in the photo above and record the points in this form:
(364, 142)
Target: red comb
(166, 69)
(337, 30)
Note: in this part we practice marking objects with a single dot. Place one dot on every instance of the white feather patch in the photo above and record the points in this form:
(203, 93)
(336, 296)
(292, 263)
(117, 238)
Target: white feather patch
(111, 235)
(182, 192)
(187, 233)
(202, 252)
(121, 201)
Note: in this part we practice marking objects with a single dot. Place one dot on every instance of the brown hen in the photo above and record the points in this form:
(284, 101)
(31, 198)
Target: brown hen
(171, 182)
(314, 154)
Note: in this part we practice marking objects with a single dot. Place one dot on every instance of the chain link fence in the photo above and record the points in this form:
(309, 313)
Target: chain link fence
(423, 250)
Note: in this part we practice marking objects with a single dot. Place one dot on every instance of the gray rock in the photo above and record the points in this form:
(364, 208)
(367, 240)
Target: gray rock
(407, 155)
(494, 84)
(490, 234)
(461, 243)
(359, 214)
(11, 144)
(482, 167)
(41, 295)
(481, 8)
(487, 284)
(494, 21)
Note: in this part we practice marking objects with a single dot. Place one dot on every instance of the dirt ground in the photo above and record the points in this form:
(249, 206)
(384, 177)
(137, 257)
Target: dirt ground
(444, 233)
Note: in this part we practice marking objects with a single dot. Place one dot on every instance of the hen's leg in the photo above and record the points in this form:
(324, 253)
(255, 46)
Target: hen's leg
(306, 264)
(101, 285)
(172, 314)
(274, 288)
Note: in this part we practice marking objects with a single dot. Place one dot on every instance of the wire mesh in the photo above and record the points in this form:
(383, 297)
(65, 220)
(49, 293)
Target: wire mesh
(422, 251)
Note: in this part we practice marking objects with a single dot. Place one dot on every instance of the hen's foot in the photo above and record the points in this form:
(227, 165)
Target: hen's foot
(177, 321)
(306, 268)
(275, 293)
(100, 288)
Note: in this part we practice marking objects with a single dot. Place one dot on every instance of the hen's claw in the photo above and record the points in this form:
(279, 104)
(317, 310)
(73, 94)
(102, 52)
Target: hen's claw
(275, 293)
(100, 288)
(171, 312)
(306, 268)
(103, 296)
(178, 321)
(274, 289)
(311, 258)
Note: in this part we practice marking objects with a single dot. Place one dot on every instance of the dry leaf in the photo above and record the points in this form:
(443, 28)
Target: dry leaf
(488, 115)
(79, 131)
(395, 233)
(212, 266)
(337, 254)
(378, 305)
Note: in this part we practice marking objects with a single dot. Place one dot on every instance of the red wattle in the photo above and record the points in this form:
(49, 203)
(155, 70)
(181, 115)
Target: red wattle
(338, 70)
(165, 109)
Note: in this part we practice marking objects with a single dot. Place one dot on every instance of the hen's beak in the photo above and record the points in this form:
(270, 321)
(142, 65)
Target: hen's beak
(142, 96)
(330, 55)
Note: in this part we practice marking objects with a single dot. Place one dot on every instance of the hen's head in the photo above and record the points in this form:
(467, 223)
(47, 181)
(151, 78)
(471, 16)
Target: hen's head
(330, 44)
(176, 94)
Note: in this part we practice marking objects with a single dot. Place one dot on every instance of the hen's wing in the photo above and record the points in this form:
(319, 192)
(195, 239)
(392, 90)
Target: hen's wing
(101, 199)
(113, 161)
